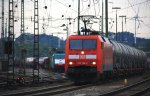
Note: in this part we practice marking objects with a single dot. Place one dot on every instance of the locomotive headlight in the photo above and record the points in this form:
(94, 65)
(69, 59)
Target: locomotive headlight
(82, 52)
(94, 63)
(70, 63)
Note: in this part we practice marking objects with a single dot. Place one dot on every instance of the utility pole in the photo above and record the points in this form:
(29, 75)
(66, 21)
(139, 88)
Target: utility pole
(102, 17)
(100, 25)
(122, 16)
(135, 19)
(78, 17)
(36, 41)
(10, 43)
(106, 16)
(6, 27)
(23, 49)
(116, 8)
(69, 19)
(67, 30)
(43, 26)
(2, 33)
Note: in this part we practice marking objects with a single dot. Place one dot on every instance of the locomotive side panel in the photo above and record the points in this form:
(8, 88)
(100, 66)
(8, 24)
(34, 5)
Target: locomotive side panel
(99, 56)
(66, 55)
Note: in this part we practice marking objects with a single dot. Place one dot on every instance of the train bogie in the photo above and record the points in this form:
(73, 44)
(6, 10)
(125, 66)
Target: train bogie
(82, 74)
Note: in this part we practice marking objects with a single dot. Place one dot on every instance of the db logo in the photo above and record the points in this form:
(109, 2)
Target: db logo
(82, 57)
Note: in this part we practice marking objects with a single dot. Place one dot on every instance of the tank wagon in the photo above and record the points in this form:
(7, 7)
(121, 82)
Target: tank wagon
(90, 58)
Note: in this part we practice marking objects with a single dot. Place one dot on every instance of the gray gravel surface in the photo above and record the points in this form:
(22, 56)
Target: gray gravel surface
(90, 91)
(100, 89)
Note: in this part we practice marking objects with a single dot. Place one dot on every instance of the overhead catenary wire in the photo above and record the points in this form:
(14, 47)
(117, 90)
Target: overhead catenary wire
(51, 18)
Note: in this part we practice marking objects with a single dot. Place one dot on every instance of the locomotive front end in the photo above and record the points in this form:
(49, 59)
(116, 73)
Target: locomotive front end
(81, 58)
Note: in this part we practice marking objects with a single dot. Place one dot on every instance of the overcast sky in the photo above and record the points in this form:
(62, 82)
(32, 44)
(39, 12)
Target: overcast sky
(57, 8)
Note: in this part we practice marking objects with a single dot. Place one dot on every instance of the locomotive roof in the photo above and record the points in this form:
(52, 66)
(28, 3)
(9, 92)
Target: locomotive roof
(103, 39)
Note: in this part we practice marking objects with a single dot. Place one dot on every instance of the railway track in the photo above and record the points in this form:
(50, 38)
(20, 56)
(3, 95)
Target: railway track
(141, 92)
(36, 91)
(49, 90)
(53, 89)
(21, 80)
(59, 90)
(132, 90)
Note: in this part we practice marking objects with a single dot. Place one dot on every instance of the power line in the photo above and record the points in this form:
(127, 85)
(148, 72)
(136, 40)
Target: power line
(66, 6)
(131, 5)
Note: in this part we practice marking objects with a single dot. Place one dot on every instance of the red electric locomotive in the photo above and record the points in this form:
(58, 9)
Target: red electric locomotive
(91, 57)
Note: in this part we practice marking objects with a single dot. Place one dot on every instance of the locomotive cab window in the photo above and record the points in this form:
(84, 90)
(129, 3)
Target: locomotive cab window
(82, 44)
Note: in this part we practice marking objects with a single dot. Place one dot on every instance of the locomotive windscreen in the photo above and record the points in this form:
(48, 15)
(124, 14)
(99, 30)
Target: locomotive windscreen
(82, 44)
(59, 56)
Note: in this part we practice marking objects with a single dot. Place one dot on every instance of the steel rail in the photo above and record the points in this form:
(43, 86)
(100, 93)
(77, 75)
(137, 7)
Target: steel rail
(141, 92)
(114, 92)
(35, 91)
(60, 90)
